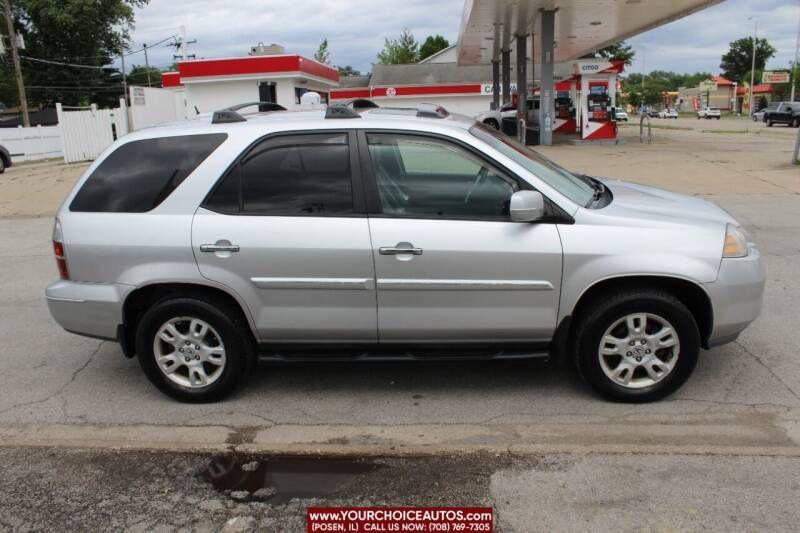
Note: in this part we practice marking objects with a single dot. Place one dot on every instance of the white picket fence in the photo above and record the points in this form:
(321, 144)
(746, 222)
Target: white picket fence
(86, 132)
(32, 143)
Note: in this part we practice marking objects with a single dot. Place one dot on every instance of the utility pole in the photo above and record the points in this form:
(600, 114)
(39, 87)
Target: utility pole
(146, 64)
(753, 66)
(796, 58)
(182, 46)
(124, 77)
(12, 38)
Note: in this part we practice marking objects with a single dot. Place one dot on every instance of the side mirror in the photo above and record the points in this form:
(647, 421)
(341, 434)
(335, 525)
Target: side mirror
(527, 206)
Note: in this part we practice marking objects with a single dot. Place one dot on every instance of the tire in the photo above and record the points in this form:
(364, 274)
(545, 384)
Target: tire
(223, 326)
(658, 306)
(769, 122)
(2, 165)
(492, 123)
(796, 122)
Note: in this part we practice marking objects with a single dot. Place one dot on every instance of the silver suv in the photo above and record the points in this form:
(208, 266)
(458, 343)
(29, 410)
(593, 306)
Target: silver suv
(206, 246)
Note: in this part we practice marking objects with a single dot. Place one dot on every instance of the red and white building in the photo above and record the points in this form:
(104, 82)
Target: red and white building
(212, 84)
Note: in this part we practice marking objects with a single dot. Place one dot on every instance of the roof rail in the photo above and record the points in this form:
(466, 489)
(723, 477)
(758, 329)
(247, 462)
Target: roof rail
(359, 103)
(432, 111)
(230, 114)
(341, 111)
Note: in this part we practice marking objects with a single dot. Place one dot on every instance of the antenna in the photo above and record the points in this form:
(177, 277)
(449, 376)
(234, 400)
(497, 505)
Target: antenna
(181, 45)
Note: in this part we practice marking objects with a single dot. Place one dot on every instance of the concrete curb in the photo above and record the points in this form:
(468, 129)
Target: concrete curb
(683, 439)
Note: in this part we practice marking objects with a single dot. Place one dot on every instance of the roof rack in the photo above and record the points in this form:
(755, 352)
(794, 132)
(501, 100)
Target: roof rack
(359, 103)
(432, 111)
(230, 114)
(340, 111)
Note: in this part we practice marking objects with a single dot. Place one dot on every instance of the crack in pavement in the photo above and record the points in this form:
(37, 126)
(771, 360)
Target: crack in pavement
(762, 363)
(61, 389)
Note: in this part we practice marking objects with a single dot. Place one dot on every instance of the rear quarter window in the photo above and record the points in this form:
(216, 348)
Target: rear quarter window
(139, 175)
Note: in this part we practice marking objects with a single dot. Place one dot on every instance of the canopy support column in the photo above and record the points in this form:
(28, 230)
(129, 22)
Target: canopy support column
(506, 70)
(495, 84)
(522, 86)
(547, 94)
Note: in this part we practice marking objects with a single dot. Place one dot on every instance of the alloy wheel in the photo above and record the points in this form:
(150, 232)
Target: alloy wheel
(639, 350)
(189, 352)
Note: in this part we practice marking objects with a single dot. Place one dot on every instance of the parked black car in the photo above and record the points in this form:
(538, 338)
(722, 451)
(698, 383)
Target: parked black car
(5, 159)
(783, 113)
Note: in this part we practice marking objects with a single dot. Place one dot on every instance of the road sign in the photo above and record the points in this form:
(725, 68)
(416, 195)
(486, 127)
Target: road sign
(775, 76)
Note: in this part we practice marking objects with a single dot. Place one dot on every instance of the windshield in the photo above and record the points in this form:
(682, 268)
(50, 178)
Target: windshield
(573, 187)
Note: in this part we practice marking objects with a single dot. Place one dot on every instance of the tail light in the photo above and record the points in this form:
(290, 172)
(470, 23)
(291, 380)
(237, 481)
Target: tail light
(58, 249)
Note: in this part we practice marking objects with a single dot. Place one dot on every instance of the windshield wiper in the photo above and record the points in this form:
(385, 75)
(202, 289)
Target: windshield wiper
(599, 190)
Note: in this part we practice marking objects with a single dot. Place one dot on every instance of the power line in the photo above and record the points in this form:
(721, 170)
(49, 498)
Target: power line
(49, 62)
(96, 67)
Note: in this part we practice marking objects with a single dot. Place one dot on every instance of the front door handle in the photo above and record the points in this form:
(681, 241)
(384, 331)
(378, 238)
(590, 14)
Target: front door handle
(399, 249)
(219, 247)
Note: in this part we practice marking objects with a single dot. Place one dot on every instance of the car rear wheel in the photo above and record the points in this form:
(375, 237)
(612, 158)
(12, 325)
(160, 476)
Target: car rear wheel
(796, 122)
(769, 122)
(492, 123)
(192, 350)
(637, 345)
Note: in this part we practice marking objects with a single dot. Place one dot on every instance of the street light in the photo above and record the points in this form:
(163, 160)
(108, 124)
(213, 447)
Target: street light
(753, 66)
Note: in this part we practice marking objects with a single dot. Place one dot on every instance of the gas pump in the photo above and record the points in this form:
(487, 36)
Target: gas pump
(564, 121)
(598, 95)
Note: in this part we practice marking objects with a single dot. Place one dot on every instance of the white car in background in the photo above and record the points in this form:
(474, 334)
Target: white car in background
(709, 113)
(620, 115)
(668, 113)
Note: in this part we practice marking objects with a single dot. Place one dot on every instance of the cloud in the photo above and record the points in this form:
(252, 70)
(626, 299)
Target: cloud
(697, 42)
(356, 29)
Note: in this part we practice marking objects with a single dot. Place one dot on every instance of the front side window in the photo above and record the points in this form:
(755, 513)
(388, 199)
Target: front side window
(293, 175)
(425, 177)
(573, 187)
(139, 175)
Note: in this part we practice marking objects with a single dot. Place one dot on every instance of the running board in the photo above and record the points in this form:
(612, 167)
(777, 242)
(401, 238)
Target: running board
(334, 353)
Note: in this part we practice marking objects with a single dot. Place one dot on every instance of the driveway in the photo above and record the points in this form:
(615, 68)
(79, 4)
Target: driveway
(63, 389)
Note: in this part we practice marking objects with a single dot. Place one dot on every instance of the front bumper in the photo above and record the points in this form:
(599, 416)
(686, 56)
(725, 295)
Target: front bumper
(90, 309)
(736, 296)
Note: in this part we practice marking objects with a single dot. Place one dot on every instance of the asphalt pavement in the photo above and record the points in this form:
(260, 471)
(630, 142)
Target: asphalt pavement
(62, 389)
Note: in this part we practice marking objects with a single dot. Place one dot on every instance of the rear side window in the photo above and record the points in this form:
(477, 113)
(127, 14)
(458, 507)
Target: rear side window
(139, 175)
(292, 175)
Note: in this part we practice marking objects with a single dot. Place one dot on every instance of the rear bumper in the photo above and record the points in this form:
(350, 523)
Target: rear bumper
(90, 309)
(736, 296)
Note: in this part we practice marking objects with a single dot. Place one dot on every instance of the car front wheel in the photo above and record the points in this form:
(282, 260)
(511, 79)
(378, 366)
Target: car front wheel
(637, 345)
(191, 349)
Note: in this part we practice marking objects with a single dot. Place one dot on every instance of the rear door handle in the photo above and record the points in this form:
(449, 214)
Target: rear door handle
(399, 249)
(219, 247)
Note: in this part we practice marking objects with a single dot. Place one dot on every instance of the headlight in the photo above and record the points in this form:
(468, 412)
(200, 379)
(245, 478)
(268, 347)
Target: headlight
(735, 242)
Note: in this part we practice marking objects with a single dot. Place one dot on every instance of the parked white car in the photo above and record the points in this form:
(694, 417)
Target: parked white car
(621, 115)
(709, 113)
(668, 113)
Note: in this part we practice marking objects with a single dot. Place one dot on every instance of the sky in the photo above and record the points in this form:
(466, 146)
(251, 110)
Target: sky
(356, 29)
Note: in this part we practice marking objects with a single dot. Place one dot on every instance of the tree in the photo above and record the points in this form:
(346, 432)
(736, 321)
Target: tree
(737, 61)
(431, 45)
(618, 51)
(138, 76)
(322, 54)
(347, 70)
(404, 49)
(85, 32)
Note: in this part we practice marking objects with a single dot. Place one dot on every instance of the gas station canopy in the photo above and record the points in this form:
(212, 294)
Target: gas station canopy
(581, 26)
